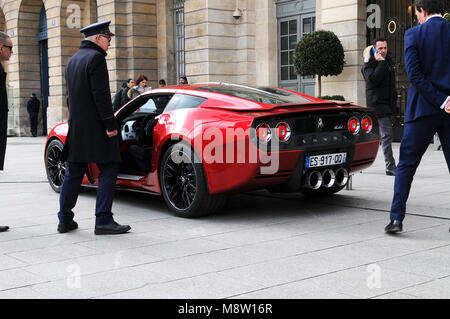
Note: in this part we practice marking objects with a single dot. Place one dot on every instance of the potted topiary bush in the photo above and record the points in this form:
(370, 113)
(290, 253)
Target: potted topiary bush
(319, 53)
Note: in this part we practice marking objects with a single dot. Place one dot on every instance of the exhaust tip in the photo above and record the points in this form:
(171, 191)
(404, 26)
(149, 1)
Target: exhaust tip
(313, 180)
(328, 178)
(341, 177)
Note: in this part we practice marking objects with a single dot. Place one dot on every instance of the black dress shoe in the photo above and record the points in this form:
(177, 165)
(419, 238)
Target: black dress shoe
(390, 173)
(67, 227)
(112, 228)
(394, 227)
(3, 228)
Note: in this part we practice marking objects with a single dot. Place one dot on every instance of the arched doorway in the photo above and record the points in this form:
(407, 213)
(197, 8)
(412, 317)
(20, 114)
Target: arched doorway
(2, 21)
(29, 62)
(43, 59)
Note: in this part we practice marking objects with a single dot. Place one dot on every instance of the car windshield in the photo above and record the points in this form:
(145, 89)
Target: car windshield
(262, 95)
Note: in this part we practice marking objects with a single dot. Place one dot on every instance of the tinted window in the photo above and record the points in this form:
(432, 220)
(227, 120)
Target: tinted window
(258, 95)
(182, 101)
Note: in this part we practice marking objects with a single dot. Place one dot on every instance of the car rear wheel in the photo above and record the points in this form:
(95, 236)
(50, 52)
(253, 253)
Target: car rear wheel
(54, 166)
(183, 183)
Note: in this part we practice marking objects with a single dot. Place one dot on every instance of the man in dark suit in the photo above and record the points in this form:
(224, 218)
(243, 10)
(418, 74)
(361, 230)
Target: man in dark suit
(6, 47)
(427, 53)
(92, 135)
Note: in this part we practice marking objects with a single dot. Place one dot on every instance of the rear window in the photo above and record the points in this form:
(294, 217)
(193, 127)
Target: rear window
(262, 95)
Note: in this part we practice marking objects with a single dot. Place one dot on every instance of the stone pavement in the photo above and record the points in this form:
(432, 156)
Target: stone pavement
(262, 246)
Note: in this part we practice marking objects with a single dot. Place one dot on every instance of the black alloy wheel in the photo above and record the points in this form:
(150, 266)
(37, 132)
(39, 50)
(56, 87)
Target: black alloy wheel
(180, 181)
(54, 166)
(184, 185)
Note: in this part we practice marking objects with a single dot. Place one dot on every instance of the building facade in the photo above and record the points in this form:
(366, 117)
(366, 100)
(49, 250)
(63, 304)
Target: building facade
(240, 41)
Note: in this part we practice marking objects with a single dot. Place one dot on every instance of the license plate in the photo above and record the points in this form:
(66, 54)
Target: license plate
(325, 160)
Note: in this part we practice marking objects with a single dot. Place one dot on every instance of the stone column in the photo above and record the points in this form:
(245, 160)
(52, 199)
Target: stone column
(166, 57)
(218, 47)
(133, 49)
(347, 19)
(64, 22)
(266, 43)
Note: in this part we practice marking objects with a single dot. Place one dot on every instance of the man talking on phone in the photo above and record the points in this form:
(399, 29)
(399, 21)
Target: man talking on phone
(379, 74)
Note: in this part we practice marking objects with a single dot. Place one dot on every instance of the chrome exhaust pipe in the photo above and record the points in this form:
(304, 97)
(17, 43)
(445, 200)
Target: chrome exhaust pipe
(328, 178)
(313, 180)
(341, 177)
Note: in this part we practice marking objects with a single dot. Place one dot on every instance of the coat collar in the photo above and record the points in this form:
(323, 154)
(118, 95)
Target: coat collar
(434, 16)
(86, 44)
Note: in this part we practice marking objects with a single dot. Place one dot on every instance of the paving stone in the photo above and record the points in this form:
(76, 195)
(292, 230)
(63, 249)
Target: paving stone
(437, 289)
(208, 286)
(16, 278)
(263, 245)
(368, 281)
(97, 285)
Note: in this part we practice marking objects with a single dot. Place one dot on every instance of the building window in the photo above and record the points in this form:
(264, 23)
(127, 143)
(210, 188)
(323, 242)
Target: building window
(288, 40)
(178, 29)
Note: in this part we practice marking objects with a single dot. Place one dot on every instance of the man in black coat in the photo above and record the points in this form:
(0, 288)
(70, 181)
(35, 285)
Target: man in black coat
(124, 95)
(92, 135)
(33, 105)
(118, 97)
(5, 53)
(378, 71)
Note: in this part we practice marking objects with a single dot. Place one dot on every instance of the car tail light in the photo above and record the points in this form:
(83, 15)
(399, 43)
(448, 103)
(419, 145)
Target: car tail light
(366, 124)
(283, 131)
(264, 133)
(353, 125)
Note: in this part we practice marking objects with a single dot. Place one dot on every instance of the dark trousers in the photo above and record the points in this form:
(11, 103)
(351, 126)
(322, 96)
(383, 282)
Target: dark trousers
(416, 139)
(3, 137)
(105, 193)
(33, 122)
(386, 142)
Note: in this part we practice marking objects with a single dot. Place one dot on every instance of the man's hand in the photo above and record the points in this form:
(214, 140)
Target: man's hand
(111, 133)
(447, 107)
(378, 57)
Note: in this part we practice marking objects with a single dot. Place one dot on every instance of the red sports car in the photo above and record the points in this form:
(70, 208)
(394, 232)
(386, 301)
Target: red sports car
(196, 144)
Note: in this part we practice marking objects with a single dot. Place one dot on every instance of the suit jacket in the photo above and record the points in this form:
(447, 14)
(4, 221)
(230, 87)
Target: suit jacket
(90, 108)
(427, 62)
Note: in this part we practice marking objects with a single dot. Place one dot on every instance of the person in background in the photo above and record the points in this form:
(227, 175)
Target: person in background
(33, 105)
(162, 83)
(118, 97)
(125, 99)
(183, 80)
(141, 87)
(378, 71)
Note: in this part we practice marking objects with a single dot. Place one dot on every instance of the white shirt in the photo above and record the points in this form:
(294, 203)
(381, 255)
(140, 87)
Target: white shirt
(433, 16)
